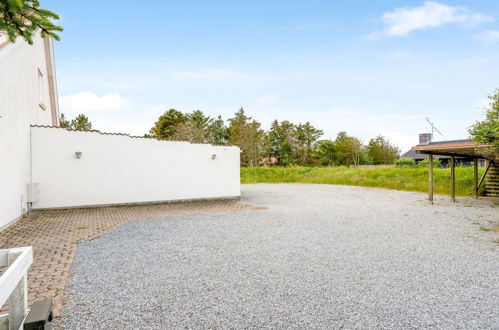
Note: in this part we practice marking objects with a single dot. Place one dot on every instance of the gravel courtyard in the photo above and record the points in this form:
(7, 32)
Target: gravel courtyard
(306, 256)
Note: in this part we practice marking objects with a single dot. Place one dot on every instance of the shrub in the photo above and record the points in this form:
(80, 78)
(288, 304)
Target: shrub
(425, 162)
(405, 163)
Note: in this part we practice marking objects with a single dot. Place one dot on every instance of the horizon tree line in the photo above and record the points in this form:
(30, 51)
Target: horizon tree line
(286, 143)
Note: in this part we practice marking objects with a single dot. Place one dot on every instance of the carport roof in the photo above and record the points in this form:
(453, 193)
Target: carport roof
(457, 148)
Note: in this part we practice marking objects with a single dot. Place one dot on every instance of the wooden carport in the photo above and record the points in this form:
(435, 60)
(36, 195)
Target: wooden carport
(461, 149)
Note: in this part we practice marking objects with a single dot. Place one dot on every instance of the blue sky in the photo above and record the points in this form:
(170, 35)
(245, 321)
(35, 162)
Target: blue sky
(366, 67)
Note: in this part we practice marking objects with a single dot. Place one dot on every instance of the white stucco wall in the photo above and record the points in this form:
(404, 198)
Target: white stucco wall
(116, 169)
(19, 107)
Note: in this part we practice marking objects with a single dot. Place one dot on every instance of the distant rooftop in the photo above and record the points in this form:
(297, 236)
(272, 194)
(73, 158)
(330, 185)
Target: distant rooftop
(449, 142)
(436, 145)
(414, 155)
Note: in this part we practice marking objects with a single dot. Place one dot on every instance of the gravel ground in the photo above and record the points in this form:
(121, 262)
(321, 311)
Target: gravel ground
(319, 257)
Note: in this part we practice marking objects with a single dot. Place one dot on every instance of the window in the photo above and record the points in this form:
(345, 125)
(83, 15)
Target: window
(41, 89)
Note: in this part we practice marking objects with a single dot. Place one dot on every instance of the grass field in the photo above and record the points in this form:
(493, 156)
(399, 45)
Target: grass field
(410, 179)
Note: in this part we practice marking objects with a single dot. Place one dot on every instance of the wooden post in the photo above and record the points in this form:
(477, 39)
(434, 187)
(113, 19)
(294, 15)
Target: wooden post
(453, 178)
(475, 176)
(430, 177)
(488, 164)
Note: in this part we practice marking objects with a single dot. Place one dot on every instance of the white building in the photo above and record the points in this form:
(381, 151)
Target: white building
(43, 166)
(28, 95)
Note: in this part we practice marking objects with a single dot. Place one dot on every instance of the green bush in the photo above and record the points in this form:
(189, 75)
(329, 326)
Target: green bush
(425, 163)
(406, 163)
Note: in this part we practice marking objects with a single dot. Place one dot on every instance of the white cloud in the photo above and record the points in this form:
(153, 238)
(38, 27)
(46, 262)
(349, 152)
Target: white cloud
(402, 21)
(402, 140)
(488, 35)
(136, 122)
(87, 102)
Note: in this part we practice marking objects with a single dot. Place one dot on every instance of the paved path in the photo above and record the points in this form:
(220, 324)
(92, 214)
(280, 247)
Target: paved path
(319, 257)
(55, 234)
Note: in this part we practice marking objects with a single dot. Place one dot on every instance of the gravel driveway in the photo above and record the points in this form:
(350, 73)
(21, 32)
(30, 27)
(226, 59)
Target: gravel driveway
(319, 257)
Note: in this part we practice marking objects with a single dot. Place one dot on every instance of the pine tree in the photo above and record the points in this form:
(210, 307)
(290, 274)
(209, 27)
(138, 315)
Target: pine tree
(246, 133)
(280, 142)
(23, 18)
(218, 133)
(81, 123)
(235, 125)
(194, 129)
(306, 136)
(199, 119)
(63, 122)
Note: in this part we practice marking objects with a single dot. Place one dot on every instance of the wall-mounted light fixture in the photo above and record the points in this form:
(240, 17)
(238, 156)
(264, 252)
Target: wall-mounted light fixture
(78, 154)
(214, 156)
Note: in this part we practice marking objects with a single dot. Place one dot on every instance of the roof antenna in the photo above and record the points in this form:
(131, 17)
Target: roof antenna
(433, 128)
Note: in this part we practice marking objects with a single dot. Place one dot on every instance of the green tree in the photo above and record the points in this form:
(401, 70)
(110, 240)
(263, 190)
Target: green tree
(348, 149)
(380, 151)
(486, 133)
(63, 122)
(306, 136)
(246, 133)
(199, 119)
(187, 131)
(23, 18)
(280, 141)
(364, 158)
(235, 125)
(252, 143)
(81, 123)
(166, 125)
(218, 133)
(326, 151)
(194, 129)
